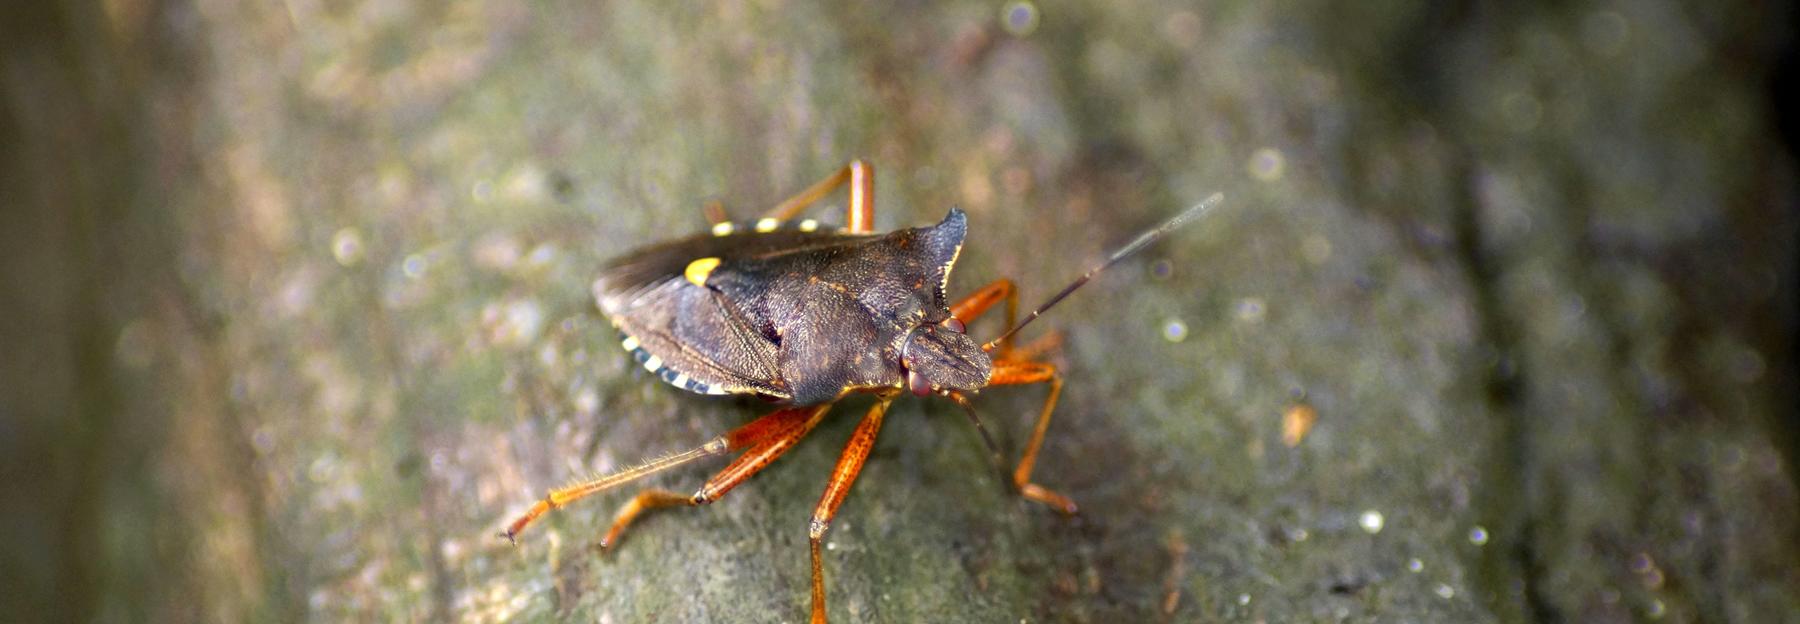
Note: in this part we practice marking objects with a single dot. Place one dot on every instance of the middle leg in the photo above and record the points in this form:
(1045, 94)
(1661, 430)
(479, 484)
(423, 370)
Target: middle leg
(859, 175)
(1019, 372)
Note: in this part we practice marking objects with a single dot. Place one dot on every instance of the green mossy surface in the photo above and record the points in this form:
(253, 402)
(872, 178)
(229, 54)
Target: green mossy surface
(1533, 270)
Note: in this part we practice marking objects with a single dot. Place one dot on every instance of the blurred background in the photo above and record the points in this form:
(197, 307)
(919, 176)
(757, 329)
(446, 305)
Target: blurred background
(1497, 322)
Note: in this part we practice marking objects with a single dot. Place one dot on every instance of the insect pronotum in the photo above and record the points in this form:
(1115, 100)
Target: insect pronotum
(805, 315)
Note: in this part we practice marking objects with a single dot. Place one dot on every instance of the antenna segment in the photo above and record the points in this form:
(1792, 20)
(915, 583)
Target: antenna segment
(1136, 245)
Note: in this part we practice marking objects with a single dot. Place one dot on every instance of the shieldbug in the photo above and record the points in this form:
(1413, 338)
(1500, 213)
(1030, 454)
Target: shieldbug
(804, 316)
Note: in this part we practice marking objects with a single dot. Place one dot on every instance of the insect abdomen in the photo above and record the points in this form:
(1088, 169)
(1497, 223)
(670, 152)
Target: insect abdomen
(661, 369)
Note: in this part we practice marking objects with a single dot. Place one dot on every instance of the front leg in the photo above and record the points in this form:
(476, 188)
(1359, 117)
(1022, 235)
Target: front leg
(977, 303)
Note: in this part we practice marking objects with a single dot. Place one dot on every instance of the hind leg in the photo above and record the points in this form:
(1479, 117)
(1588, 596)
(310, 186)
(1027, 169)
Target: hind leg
(768, 438)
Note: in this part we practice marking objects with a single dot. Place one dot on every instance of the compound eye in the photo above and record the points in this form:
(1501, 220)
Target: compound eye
(953, 324)
(918, 384)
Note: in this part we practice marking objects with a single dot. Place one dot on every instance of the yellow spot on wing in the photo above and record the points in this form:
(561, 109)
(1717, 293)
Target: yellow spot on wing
(630, 343)
(653, 364)
(767, 225)
(698, 270)
(721, 229)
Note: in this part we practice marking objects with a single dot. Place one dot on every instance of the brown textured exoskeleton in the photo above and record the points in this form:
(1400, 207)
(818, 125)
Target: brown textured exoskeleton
(804, 315)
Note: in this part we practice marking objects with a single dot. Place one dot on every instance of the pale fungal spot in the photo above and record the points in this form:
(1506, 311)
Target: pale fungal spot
(767, 225)
(263, 440)
(1445, 591)
(1175, 330)
(1648, 571)
(809, 225)
(722, 229)
(321, 468)
(541, 255)
(1656, 609)
(653, 364)
(346, 246)
(1243, 599)
(1019, 18)
(1250, 309)
(497, 252)
(413, 267)
(1478, 535)
(1162, 269)
(519, 323)
(1415, 566)
(1371, 521)
(1267, 164)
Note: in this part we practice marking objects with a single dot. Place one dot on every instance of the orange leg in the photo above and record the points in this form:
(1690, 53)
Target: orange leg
(1017, 372)
(1035, 350)
(1014, 367)
(842, 477)
(861, 178)
(767, 430)
(977, 303)
(715, 212)
(768, 438)
(646, 500)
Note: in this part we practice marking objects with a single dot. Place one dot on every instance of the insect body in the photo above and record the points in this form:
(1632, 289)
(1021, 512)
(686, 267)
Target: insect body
(804, 316)
(797, 315)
